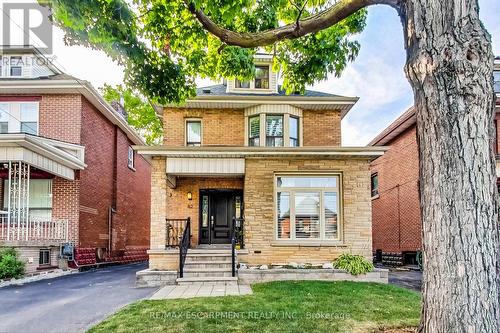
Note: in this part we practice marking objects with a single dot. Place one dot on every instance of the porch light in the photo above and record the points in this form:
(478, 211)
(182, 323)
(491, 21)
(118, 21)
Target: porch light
(190, 195)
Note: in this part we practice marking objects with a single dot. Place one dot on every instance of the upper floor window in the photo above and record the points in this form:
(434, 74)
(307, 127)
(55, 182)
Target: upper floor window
(131, 158)
(374, 185)
(19, 117)
(261, 81)
(16, 68)
(293, 129)
(242, 84)
(496, 77)
(193, 133)
(274, 130)
(261, 77)
(254, 131)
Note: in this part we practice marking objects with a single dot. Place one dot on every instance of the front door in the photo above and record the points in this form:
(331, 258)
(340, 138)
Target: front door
(217, 209)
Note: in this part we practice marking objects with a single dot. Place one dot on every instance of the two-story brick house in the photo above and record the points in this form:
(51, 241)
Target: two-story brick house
(244, 156)
(68, 172)
(395, 187)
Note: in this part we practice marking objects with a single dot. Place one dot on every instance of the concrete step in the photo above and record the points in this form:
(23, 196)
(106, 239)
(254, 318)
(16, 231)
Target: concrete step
(196, 258)
(207, 274)
(208, 279)
(204, 265)
(209, 251)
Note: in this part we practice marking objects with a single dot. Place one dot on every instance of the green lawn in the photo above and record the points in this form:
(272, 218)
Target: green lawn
(301, 307)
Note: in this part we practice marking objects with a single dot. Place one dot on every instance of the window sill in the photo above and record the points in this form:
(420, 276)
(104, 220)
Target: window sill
(301, 243)
(132, 168)
(376, 197)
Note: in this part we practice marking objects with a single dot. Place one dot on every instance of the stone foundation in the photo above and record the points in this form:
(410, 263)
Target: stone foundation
(153, 278)
(250, 276)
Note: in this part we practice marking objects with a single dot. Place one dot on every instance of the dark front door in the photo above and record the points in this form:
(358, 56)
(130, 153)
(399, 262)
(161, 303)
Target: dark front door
(217, 209)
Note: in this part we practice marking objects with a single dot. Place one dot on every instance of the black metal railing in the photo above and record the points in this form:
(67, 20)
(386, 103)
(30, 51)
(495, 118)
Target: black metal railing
(236, 241)
(184, 245)
(175, 229)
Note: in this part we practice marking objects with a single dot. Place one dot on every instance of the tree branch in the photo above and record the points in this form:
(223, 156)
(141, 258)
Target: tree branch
(336, 13)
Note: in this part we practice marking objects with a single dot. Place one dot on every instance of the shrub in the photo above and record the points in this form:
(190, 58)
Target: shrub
(10, 264)
(353, 264)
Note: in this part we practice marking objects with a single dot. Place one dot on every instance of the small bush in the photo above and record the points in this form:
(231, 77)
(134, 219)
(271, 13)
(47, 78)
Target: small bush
(10, 265)
(353, 264)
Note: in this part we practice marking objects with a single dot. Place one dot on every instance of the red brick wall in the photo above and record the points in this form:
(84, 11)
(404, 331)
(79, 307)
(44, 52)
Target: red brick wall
(133, 197)
(131, 220)
(60, 117)
(396, 213)
(66, 203)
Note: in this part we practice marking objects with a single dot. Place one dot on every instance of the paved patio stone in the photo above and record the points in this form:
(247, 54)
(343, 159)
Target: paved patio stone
(206, 289)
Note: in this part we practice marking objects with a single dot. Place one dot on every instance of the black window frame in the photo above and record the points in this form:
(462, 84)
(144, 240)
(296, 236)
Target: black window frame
(253, 141)
(193, 143)
(374, 190)
(274, 137)
(42, 257)
(296, 139)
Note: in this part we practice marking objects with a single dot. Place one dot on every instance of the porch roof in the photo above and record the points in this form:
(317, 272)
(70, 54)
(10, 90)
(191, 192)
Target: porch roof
(248, 152)
(56, 157)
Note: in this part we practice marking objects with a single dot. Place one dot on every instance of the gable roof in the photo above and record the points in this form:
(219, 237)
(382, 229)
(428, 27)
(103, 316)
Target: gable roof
(398, 126)
(221, 90)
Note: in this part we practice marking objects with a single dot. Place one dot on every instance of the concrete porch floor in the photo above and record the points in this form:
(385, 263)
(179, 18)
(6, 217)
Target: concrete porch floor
(202, 289)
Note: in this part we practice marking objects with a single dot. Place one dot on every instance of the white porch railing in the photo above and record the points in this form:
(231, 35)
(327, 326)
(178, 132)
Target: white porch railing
(33, 229)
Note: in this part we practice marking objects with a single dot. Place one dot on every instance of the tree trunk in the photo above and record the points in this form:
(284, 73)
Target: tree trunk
(450, 67)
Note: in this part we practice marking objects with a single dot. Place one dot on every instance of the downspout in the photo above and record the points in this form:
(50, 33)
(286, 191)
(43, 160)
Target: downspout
(112, 209)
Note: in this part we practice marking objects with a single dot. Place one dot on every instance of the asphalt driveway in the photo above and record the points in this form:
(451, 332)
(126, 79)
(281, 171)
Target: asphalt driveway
(71, 303)
(406, 279)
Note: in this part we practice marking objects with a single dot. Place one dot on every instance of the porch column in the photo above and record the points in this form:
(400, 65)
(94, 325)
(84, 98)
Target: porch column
(158, 202)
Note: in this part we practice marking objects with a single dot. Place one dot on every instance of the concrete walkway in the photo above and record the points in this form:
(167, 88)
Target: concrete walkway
(202, 289)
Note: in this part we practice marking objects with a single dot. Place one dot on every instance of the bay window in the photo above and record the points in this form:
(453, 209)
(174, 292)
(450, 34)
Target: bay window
(308, 207)
(274, 130)
(293, 129)
(254, 131)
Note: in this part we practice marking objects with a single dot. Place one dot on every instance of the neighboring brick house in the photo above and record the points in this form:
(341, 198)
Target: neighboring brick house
(244, 159)
(395, 188)
(69, 174)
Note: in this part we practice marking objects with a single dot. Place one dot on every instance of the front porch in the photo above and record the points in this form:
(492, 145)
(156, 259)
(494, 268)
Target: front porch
(38, 197)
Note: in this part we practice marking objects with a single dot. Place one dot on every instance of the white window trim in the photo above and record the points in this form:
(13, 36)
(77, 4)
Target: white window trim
(315, 241)
(186, 120)
(131, 166)
(14, 114)
(252, 82)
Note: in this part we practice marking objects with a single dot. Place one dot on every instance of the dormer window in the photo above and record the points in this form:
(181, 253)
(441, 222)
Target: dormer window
(16, 68)
(261, 77)
(261, 81)
(242, 84)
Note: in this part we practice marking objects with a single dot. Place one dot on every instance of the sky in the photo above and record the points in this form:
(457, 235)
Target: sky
(376, 76)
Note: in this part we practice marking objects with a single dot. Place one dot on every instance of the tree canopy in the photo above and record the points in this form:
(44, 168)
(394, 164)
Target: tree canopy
(141, 115)
(164, 47)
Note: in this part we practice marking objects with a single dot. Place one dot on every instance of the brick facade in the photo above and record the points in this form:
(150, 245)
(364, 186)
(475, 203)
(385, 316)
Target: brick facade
(106, 182)
(226, 127)
(396, 212)
(219, 126)
(322, 128)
